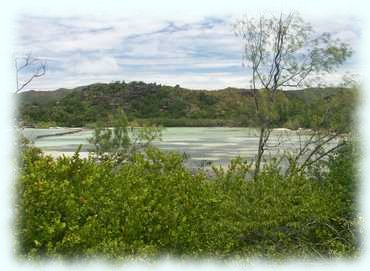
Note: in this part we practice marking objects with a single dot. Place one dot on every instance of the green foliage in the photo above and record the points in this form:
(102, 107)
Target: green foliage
(122, 141)
(46, 124)
(174, 106)
(342, 172)
(114, 139)
(153, 205)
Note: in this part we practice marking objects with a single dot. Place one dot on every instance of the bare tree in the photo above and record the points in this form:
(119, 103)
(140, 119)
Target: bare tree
(284, 52)
(35, 67)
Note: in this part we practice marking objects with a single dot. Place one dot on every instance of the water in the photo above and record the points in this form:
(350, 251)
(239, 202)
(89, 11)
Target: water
(217, 144)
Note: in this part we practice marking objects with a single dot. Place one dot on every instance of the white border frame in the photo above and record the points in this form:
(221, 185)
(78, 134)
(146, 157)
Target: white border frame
(169, 9)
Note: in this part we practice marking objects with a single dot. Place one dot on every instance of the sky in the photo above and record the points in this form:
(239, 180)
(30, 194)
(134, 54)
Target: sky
(200, 52)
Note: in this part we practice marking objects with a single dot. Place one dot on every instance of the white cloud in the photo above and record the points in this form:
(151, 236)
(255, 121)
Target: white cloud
(197, 53)
(99, 66)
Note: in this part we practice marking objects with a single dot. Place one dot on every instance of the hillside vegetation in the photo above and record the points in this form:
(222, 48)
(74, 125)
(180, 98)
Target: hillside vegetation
(176, 106)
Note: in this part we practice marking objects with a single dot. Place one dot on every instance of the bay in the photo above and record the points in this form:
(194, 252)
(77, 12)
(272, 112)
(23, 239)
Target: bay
(217, 145)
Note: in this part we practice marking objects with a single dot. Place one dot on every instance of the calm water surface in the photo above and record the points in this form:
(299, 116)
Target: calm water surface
(216, 144)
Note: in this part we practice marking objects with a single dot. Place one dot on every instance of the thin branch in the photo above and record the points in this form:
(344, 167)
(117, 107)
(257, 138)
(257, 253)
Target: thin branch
(326, 153)
(315, 150)
(28, 61)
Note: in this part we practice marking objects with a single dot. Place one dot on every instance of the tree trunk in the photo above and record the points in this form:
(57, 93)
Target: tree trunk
(259, 152)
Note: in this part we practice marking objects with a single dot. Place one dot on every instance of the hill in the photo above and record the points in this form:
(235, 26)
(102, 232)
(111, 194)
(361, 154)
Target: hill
(175, 106)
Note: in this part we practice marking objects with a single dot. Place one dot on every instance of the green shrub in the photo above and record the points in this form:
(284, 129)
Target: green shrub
(153, 205)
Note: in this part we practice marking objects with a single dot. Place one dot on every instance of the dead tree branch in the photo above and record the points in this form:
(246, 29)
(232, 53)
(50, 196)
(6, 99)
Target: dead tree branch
(22, 64)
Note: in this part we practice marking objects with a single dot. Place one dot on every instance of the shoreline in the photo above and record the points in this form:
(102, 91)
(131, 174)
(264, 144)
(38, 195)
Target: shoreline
(60, 134)
(83, 128)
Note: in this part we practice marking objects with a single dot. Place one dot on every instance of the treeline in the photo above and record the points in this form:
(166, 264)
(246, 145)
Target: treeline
(176, 106)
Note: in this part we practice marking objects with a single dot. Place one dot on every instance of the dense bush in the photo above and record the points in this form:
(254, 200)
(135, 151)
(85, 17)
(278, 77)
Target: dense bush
(152, 205)
(175, 106)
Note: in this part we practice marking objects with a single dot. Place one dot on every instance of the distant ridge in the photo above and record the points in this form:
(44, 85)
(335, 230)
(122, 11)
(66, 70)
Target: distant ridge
(166, 105)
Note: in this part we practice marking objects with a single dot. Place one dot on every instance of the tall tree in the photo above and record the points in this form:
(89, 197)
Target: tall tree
(284, 52)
